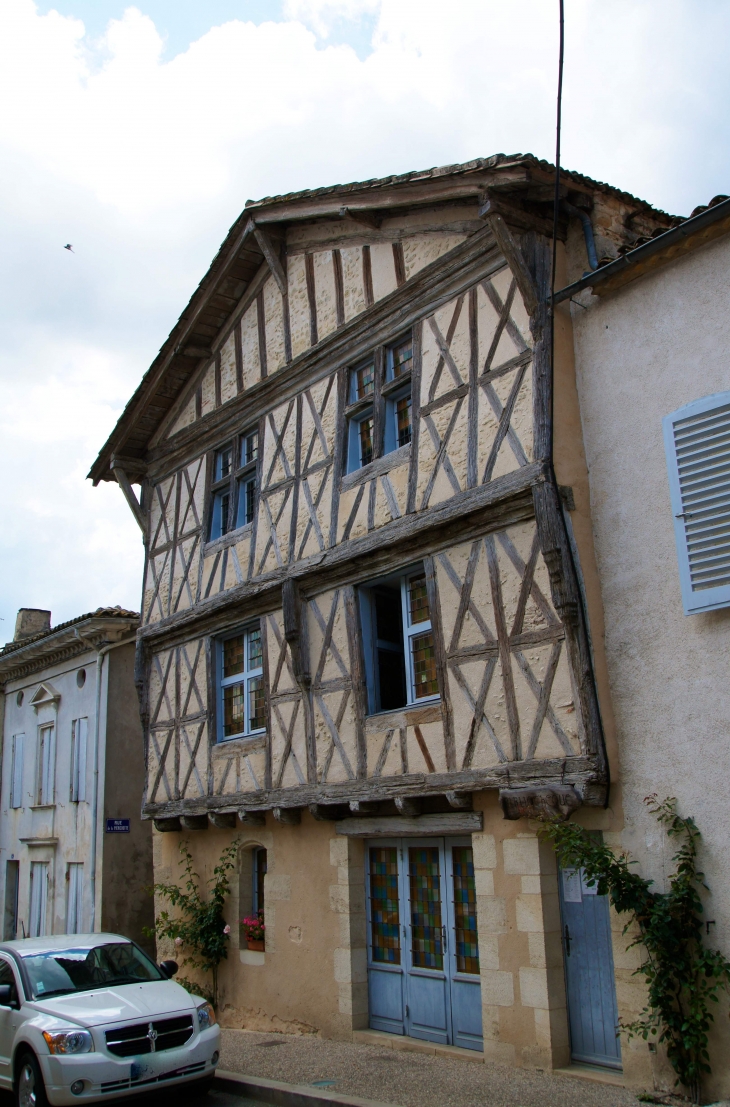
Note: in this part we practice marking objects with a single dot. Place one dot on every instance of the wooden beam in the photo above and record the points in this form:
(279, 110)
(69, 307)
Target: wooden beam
(361, 807)
(223, 820)
(168, 826)
(134, 504)
(194, 822)
(288, 816)
(460, 801)
(395, 826)
(324, 812)
(366, 218)
(515, 260)
(252, 818)
(407, 806)
(269, 252)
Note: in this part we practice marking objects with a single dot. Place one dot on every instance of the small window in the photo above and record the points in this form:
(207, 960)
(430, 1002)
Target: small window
(233, 492)
(697, 444)
(16, 771)
(400, 658)
(46, 765)
(242, 699)
(81, 678)
(371, 390)
(79, 739)
(259, 872)
(19, 699)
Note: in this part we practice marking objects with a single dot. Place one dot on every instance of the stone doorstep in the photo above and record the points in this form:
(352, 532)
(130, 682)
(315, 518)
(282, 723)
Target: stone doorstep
(287, 1095)
(592, 1072)
(415, 1045)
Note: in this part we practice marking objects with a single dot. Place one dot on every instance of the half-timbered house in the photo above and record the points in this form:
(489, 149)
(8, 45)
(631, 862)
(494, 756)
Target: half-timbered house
(365, 649)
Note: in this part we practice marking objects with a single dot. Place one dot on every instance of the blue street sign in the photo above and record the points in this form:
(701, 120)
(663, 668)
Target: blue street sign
(117, 826)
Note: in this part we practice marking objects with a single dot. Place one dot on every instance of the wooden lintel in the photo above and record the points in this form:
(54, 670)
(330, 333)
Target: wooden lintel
(135, 505)
(269, 251)
(395, 826)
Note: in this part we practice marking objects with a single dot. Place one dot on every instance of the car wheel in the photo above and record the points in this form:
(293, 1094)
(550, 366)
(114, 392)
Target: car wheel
(30, 1091)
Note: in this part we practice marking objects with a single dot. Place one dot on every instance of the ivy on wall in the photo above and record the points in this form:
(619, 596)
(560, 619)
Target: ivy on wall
(683, 976)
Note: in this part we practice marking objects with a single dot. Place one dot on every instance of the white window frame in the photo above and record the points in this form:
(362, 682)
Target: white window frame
(411, 631)
(75, 898)
(243, 678)
(694, 599)
(45, 788)
(79, 743)
(16, 771)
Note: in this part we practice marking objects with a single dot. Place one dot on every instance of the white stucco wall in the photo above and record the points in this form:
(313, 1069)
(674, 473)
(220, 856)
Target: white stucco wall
(643, 352)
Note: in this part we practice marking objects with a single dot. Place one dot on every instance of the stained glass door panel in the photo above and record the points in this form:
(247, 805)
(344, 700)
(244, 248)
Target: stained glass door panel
(427, 985)
(463, 951)
(386, 989)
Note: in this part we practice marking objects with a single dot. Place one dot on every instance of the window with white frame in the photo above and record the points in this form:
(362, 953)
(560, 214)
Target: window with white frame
(697, 444)
(398, 642)
(241, 693)
(46, 765)
(233, 491)
(378, 408)
(74, 898)
(16, 771)
(79, 740)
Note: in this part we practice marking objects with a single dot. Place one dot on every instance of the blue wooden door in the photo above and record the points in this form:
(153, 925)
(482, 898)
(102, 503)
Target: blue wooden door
(588, 958)
(423, 957)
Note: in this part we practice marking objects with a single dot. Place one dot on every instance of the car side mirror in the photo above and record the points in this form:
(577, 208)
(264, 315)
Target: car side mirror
(167, 968)
(6, 994)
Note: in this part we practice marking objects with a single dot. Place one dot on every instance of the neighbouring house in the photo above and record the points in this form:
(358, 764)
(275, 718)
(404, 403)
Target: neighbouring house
(75, 857)
(371, 646)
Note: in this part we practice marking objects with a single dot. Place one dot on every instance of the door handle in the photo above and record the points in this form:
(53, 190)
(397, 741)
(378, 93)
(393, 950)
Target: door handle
(567, 941)
(443, 939)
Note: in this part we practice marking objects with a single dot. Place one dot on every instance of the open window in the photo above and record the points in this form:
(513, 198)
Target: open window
(241, 694)
(234, 487)
(398, 643)
(379, 404)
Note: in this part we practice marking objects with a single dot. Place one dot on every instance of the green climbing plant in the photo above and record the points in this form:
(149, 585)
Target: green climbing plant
(198, 928)
(683, 976)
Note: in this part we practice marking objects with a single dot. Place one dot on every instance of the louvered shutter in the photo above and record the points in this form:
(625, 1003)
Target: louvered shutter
(697, 442)
(16, 782)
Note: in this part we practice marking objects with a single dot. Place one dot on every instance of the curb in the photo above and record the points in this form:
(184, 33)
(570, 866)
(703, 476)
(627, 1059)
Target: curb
(288, 1095)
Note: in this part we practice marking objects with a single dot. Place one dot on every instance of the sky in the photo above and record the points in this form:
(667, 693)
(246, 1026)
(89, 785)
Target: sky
(137, 133)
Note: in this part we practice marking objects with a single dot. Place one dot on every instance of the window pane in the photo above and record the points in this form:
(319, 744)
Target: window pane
(366, 441)
(465, 910)
(424, 666)
(423, 872)
(227, 521)
(364, 381)
(250, 448)
(247, 501)
(418, 609)
(401, 357)
(403, 420)
(256, 704)
(254, 649)
(223, 463)
(232, 656)
(233, 714)
(384, 913)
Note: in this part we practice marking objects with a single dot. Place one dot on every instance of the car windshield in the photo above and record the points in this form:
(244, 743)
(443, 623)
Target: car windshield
(61, 971)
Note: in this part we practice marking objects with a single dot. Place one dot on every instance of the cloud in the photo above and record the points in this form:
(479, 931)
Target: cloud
(143, 163)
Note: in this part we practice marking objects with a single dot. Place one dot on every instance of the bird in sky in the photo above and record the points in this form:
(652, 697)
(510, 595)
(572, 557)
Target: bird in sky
(68, 246)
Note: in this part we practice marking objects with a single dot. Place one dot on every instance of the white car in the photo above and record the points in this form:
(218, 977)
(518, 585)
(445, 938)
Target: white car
(86, 1017)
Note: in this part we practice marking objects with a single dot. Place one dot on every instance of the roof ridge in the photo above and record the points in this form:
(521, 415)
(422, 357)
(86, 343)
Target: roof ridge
(100, 613)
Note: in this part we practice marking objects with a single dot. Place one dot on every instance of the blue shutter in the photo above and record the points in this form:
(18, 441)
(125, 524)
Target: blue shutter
(697, 442)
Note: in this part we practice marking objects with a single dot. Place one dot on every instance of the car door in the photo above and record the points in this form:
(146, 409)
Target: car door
(10, 1018)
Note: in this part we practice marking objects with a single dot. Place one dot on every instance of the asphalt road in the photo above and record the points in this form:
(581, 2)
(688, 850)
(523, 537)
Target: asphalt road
(171, 1099)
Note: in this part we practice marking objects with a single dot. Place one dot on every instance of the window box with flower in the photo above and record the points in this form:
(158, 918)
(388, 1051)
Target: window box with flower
(254, 931)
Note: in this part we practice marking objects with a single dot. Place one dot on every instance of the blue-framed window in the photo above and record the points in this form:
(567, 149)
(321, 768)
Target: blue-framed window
(234, 486)
(240, 679)
(398, 641)
(379, 404)
(697, 444)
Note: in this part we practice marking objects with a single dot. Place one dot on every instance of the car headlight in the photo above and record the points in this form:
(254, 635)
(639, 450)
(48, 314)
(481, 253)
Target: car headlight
(69, 1041)
(206, 1016)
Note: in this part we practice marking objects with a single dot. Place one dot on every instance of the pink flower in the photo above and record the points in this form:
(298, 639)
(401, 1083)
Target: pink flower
(178, 941)
(226, 930)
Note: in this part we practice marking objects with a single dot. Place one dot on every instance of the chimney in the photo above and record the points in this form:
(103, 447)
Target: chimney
(30, 621)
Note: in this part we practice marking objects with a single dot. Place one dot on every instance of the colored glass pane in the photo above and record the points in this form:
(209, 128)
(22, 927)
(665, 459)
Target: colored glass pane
(424, 666)
(384, 908)
(465, 910)
(418, 609)
(233, 713)
(366, 441)
(256, 703)
(425, 884)
(364, 381)
(232, 656)
(403, 420)
(254, 648)
(402, 357)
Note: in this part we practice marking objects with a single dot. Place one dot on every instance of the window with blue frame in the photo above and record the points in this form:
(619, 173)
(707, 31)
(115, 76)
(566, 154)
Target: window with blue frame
(241, 692)
(379, 404)
(235, 484)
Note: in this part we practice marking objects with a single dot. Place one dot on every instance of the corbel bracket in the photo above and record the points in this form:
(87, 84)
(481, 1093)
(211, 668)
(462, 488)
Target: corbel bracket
(366, 218)
(119, 468)
(272, 258)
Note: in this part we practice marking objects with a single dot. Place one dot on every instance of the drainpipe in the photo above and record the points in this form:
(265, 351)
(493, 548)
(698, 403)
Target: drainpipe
(100, 655)
(587, 231)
